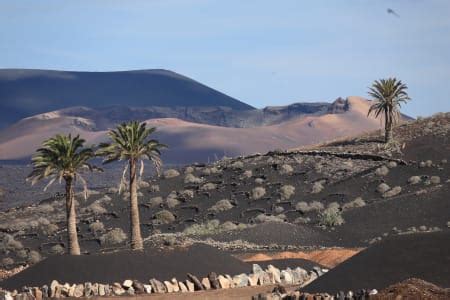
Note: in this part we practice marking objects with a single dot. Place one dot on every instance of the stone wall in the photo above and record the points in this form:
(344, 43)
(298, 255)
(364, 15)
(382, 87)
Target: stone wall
(258, 276)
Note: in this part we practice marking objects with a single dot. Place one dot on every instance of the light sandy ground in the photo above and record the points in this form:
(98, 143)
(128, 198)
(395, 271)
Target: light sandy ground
(326, 257)
(223, 294)
(194, 142)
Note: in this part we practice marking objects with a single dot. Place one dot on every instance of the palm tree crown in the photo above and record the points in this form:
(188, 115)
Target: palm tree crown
(61, 157)
(131, 142)
(388, 95)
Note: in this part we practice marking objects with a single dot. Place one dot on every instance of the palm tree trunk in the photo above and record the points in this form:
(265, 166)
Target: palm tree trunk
(387, 127)
(136, 238)
(72, 236)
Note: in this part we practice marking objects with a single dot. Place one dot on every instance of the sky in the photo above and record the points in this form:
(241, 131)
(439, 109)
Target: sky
(260, 52)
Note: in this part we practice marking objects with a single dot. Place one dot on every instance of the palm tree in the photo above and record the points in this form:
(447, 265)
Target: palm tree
(131, 142)
(64, 157)
(388, 95)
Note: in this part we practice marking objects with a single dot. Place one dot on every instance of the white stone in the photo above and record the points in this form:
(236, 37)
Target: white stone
(224, 282)
(206, 283)
(175, 286)
(169, 286)
(183, 287)
(127, 283)
(190, 286)
(147, 288)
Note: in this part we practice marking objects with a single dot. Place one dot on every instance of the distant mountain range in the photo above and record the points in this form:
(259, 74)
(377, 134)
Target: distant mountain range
(197, 122)
(24, 92)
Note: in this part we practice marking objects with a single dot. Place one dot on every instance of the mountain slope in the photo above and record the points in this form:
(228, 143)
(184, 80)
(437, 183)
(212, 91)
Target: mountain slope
(191, 142)
(26, 92)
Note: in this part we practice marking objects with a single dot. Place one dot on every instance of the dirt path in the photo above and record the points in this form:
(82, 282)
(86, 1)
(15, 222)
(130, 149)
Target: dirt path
(223, 294)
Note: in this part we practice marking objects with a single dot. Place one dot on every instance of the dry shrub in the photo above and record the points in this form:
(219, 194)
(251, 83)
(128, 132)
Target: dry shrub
(237, 165)
(96, 208)
(8, 243)
(383, 188)
(259, 181)
(163, 217)
(382, 171)
(208, 186)
(286, 169)
(257, 193)
(391, 164)
(172, 201)
(435, 179)
(317, 187)
(34, 257)
(143, 184)
(188, 170)
(358, 202)
(192, 179)
(302, 220)
(247, 174)
(154, 188)
(286, 192)
(305, 207)
(49, 229)
(113, 237)
(221, 205)
(263, 218)
(155, 201)
(187, 194)
(171, 173)
(392, 192)
(57, 249)
(97, 227)
(7, 262)
(212, 227)
(414, 180)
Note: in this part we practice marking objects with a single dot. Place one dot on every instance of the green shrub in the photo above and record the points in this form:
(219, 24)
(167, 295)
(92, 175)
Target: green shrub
(331, 217)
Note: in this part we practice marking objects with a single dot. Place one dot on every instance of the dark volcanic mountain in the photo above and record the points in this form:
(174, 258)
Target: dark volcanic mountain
(25, 92)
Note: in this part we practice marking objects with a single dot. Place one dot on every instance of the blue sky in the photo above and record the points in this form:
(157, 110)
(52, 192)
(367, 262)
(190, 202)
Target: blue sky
(261, 52)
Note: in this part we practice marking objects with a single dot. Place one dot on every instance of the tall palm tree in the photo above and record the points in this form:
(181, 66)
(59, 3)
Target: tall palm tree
(388, 95)
(131, 142)
(64, 157)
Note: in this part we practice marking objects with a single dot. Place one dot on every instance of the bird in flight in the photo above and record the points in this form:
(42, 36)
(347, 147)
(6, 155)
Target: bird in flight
(391, 11)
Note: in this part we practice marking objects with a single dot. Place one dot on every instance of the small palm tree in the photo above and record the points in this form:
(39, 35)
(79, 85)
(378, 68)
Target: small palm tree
(131, 142)
(388, 95)
(64, 157)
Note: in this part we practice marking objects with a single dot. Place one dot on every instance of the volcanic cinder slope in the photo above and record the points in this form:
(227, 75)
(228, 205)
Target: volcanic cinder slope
(189, 141)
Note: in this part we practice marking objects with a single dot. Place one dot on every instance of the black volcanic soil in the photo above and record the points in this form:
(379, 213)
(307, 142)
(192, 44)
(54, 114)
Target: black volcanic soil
(425, 256)
(116, 267)
(418, 208)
